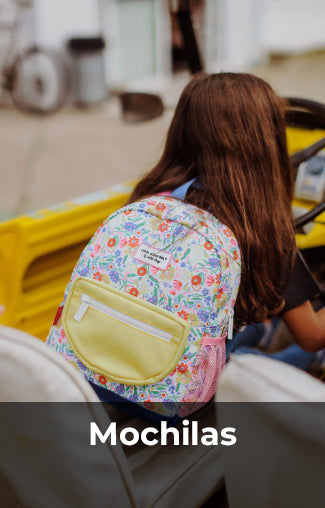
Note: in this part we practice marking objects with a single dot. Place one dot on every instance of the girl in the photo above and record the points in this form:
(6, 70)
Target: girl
(228, 133)
(226, 154)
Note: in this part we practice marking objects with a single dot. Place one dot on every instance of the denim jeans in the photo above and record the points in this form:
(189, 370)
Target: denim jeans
(246, 342)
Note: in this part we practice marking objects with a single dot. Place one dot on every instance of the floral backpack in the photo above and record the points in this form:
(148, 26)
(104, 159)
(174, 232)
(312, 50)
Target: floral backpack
(149, 305)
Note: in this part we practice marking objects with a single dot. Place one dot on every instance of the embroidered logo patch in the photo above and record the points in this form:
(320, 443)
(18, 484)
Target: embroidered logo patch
(154, 257)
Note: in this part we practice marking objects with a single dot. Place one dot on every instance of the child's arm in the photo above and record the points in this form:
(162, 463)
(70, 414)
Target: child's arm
(306, 326)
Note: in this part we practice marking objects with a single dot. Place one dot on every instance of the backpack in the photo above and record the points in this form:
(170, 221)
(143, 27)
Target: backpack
(149, 305)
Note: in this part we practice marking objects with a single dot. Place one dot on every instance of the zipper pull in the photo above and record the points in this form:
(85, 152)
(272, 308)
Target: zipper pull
(230, 324)
(85, 302)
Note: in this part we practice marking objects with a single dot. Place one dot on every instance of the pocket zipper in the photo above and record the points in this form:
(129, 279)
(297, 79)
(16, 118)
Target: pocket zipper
(87, 301)
(230, 324)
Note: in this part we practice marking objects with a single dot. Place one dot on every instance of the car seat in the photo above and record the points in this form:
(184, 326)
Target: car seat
(45, 454)
(279, 416)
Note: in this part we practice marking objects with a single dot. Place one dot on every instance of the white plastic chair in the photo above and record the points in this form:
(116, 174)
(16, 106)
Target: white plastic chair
(87, 476)
(278, 461)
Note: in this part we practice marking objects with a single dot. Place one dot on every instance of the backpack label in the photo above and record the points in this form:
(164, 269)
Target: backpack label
(154, 257)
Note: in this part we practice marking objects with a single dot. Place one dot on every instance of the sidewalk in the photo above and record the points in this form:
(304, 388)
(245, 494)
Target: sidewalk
(50, 159)
(47, 160)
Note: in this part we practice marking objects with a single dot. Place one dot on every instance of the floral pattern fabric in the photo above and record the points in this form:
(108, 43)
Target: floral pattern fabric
(200, 285)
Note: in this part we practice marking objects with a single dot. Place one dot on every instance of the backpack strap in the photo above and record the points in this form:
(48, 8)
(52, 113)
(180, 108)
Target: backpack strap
(181, 191)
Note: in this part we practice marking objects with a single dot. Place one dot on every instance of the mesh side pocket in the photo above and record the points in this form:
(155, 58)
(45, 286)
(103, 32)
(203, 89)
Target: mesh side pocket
(213, 360)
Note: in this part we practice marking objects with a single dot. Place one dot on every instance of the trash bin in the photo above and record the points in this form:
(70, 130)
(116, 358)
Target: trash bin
(87, 70)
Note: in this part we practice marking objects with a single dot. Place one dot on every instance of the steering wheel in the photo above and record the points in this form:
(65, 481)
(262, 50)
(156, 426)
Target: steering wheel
(308, 114)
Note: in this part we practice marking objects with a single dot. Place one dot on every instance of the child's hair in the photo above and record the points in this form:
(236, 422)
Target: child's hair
(229, 130)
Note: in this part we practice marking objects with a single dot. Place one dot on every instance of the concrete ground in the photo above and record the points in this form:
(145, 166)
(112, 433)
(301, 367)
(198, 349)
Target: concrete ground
(47, 160)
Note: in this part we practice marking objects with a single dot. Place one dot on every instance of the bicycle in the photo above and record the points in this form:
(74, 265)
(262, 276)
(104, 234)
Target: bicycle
(35, 77)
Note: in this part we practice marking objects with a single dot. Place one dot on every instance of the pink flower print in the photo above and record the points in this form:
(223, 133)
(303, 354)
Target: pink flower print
(182, 314)
(123, 242)
(111, 243)
(133, 241)
(182, 368)
(208, 245)
(132, 290)
(153, 269)
(196, 280)
(209, 280)
(163, 227)
(96, 249)
(97, 276)
(177, 285)
(219, 293)
(161, 207)
(196, 283)
(151, 203)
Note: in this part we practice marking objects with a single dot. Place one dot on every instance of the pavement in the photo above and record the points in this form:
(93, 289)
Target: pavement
(46, 160)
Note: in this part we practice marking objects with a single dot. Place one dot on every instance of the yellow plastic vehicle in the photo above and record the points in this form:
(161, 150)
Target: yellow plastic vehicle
(38, 252)
(306, 128)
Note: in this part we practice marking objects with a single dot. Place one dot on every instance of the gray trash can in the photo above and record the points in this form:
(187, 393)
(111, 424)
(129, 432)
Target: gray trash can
(87, 70)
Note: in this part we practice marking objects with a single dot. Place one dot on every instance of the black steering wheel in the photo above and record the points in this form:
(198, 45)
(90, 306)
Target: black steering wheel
(306, 114)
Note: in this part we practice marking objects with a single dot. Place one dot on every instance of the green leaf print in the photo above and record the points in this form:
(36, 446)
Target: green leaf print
(186, 254)
(154, 281)
(160, 386)
(196, 298)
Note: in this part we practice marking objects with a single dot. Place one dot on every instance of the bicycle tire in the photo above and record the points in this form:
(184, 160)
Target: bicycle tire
(31, 81)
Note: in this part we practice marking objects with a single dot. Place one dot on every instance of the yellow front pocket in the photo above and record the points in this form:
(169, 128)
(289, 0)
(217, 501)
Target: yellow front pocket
(126, 339)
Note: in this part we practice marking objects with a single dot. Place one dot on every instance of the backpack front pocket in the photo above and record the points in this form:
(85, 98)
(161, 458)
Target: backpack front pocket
(126, 339)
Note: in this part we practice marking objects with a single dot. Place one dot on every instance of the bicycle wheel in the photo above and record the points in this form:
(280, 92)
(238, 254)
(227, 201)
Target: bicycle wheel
(39, 83)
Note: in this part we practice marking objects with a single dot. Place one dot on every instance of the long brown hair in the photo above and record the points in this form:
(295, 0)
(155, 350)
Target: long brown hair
(229, 130)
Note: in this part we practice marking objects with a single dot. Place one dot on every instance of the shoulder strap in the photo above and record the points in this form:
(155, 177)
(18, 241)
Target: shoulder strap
(181, 191)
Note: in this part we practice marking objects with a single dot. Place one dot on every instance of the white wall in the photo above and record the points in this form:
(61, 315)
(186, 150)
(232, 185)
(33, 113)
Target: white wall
(138, 43)
(137, 33)
(58, 20)
(294, 25)
(240, 33)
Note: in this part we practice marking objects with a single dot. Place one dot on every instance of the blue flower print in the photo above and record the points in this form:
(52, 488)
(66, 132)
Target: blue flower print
(114, 275)
(214, 262)
(130, 226)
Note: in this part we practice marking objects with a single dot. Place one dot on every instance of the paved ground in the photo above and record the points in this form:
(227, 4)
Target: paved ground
(47, 160)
